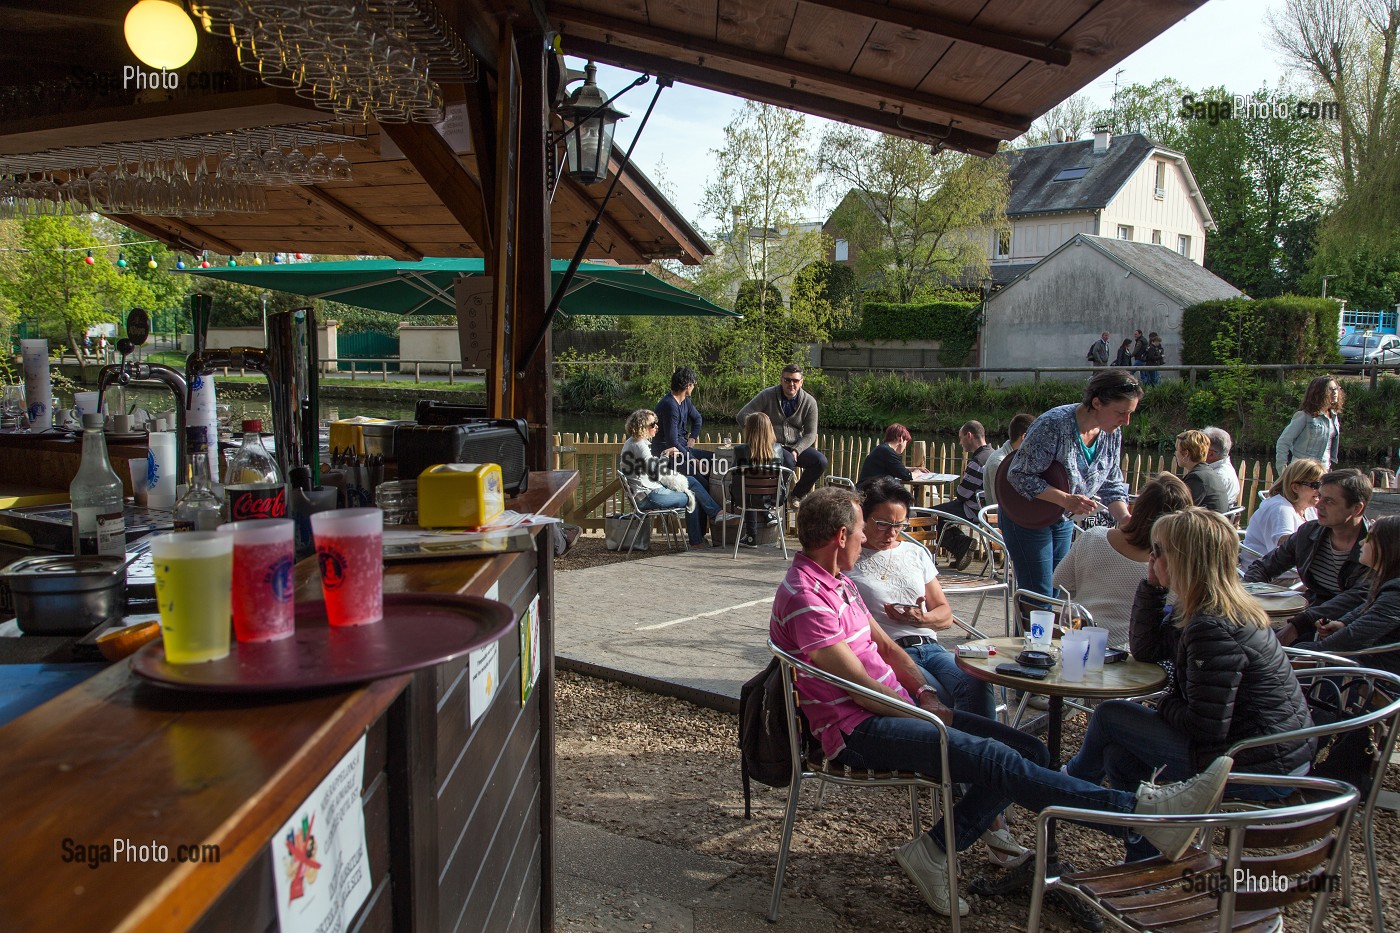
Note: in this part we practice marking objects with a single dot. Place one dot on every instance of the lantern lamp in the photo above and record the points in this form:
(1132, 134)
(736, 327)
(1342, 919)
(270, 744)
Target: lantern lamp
(151, 261)
(257, 260)
(161, 34)
(121, 261)
(276, 257)
(88, 258)
(232, 261)
(179, 263)
(588, 138)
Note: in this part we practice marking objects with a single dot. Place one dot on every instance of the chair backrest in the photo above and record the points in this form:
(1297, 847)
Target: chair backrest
(1356, 714)
(763, 480)
(923, 529)
(1234, 515)
(632, 502)
(843, 481)
(1303, 659)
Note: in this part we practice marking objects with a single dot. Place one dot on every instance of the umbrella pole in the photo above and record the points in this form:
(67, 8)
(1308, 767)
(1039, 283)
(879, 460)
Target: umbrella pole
(562, 288)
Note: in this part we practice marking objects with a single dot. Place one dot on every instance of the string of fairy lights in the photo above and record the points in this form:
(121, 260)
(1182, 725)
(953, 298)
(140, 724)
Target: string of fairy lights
(121, 262)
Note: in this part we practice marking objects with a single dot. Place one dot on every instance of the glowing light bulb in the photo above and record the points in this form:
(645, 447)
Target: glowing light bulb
(161, 34)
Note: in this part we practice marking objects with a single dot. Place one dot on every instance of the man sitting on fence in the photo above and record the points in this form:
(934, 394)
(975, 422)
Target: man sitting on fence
(793, 413)
(819, 616)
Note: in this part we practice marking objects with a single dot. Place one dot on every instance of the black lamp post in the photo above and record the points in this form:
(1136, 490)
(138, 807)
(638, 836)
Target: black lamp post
(590, 118)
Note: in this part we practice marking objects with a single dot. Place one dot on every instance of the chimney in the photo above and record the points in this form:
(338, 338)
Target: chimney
(1102, 134)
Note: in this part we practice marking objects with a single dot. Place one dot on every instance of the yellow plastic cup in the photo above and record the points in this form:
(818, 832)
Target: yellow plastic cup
(194, 580)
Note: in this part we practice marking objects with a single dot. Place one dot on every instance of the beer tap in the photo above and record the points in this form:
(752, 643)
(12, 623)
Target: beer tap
(138, 330)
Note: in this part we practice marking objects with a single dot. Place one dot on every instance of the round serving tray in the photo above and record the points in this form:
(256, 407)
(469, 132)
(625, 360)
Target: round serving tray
(418, 630)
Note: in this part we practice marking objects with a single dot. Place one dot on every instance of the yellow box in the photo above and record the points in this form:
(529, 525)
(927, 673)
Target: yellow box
(347, 434)
(460, 495)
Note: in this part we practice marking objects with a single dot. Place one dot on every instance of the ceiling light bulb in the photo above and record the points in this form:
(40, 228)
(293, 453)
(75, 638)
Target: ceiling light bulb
(161, 34)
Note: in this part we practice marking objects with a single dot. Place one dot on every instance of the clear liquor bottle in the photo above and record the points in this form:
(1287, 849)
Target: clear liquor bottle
(95, 497)
(201, 507)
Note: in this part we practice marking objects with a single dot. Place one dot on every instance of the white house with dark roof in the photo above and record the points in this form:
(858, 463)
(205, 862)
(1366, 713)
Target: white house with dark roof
(1123, 187)
(1050, 314)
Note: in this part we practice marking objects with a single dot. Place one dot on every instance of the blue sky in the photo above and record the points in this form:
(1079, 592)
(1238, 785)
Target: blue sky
(1225, 42)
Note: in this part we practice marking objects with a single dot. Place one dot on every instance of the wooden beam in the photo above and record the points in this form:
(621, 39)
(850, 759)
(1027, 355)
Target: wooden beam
(482, 124)
(389, 244)
(433, 158)
(789, 69)
(500, 375)
(951, 29)
(178, 234)
(608, 221)
(884, 121)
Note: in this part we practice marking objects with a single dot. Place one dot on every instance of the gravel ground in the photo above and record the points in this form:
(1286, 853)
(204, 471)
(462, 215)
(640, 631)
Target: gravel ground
(662, 770)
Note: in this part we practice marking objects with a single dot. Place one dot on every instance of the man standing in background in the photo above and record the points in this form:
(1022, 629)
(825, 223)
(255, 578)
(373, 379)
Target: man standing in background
(1099, 351)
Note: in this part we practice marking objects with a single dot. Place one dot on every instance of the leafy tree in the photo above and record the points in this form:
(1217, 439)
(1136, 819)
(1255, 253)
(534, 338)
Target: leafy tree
(1074, 115)
(913, 218)
(763, 184)
(48, 277)
(1149, 109)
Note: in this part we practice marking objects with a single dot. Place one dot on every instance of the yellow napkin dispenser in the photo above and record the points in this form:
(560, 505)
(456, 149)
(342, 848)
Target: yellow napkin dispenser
(460, 495)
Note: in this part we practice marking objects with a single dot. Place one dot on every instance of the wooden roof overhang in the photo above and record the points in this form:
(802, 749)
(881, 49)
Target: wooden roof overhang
(964, 73)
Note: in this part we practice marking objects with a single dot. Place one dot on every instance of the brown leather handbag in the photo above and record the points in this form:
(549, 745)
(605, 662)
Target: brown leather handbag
(1030, 513)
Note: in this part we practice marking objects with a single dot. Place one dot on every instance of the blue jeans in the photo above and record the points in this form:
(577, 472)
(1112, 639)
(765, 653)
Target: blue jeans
(1003, 766)
(1126, 742)
(956, 690)
(1035, 552)
(705, 506)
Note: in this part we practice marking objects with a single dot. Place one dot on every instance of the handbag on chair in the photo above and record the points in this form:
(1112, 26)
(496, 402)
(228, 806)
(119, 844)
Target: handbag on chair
(1030, 513)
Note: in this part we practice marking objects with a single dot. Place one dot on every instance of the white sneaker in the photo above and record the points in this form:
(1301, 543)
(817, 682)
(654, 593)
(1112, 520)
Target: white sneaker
(1003, 850)
(726, 516)
(1200, 794)
(927, 867)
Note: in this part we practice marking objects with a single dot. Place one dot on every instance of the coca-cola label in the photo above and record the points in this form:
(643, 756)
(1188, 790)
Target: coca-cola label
(248, 502)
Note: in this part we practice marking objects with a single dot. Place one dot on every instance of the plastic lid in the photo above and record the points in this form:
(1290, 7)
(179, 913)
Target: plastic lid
(93, 421)
(252, 425)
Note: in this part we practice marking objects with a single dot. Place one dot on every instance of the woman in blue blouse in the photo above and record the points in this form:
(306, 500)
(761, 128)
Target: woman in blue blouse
(1086, 439)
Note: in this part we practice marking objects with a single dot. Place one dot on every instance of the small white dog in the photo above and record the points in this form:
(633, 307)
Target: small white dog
(677, 481)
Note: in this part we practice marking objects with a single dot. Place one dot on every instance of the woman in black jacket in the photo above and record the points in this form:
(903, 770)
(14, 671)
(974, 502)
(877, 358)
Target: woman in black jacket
(1230, 679)
(1375, 620)
(1125, 354)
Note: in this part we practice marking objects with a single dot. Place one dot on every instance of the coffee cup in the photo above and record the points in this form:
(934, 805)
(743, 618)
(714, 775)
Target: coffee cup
(119, 424)
(1042, 624)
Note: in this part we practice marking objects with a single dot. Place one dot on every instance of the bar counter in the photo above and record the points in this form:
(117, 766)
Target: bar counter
(458, 818)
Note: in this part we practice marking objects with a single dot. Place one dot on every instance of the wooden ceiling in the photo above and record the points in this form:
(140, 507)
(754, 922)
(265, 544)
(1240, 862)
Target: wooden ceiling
(965, 73)
(968, 73)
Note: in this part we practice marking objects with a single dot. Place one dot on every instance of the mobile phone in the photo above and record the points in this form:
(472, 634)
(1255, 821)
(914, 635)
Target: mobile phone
(904, 607)
(1114, 655)
(1016, 670)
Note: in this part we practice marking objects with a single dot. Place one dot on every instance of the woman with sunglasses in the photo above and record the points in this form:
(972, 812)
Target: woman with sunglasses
(1376, 619)
(1086, 440)
(643, 472)
(1316, 428)
(898, 583)
(1292, 500)
(1230, 679)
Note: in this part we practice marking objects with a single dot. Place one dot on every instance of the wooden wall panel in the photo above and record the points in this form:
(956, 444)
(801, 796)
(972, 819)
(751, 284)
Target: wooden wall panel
(697, 17)
(827, 37)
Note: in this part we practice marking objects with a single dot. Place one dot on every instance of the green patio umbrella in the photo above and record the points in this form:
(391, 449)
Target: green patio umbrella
(425, 287)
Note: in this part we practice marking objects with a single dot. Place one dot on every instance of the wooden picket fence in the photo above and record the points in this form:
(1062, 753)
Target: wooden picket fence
(598, 495)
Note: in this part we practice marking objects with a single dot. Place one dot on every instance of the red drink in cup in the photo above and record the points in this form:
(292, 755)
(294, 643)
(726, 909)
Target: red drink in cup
(263, 562)
(350, 551)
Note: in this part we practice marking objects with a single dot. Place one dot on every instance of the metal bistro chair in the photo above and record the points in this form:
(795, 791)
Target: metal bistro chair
(815, 766)
(989, 519)
(1363, 699)
(1203, 890)
(757, 483)
(959, 583)
(843, 482)
(1234, 515)
(638, 517)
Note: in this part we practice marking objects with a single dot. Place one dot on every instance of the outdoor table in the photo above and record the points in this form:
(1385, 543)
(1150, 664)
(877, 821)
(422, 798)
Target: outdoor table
(1280, 602)
(1128, 678)
(924, 484)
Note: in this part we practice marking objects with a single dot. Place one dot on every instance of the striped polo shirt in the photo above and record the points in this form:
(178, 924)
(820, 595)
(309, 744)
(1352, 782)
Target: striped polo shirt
(812, 610)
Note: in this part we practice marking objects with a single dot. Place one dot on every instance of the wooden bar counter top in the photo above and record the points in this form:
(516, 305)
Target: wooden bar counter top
(458, 816)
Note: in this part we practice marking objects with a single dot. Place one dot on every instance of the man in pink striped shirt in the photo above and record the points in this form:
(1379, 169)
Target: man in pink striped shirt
(818, 616)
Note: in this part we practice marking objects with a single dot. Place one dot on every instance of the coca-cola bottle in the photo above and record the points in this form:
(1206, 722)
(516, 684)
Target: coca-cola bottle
(253, 485)
(201, 507)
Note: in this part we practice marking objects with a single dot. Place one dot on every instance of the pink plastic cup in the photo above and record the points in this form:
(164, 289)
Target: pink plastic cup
(263, 584)
(350, 550)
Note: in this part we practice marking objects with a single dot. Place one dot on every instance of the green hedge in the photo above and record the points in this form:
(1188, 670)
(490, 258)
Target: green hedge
(1292, 329)
(952, 323)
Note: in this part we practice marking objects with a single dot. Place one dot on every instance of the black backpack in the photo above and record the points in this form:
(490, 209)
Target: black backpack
(765, 754)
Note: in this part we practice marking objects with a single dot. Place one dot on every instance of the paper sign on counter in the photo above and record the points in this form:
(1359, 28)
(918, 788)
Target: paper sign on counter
(320, 864)
(529, 649)
(485, 668)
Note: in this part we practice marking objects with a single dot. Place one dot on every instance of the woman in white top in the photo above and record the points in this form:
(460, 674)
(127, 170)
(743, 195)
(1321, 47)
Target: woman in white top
(642, 473)
(1105, 565)
(1291, 501)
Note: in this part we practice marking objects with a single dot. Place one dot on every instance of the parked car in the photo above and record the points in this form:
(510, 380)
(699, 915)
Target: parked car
(1382, 350)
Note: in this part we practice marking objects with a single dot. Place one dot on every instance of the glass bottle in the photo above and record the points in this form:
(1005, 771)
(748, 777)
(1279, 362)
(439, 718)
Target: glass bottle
(253, 484)
(95, 497)
(201, 507)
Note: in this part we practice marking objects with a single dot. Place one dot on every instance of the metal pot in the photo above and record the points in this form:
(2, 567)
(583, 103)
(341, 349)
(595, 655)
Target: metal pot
(66, 595)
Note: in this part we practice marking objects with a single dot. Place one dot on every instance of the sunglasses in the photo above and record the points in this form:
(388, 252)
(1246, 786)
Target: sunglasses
(1313, 485)
(1157, 551)
(891, 526)
(793, 382)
